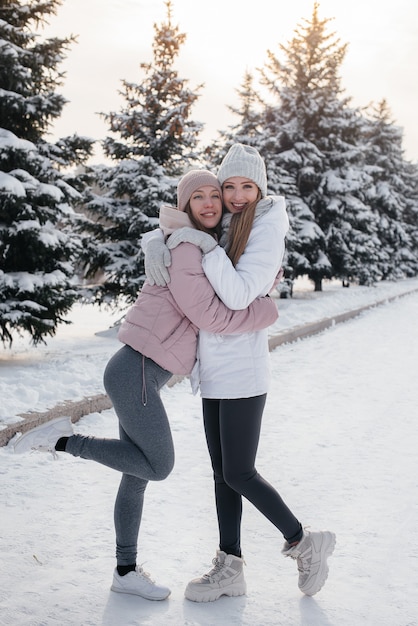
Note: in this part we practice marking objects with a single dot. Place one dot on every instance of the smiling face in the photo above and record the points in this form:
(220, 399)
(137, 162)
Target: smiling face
(206, 206)
(238, 193)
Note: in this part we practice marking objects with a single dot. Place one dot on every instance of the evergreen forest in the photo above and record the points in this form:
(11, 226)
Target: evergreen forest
(70, 231)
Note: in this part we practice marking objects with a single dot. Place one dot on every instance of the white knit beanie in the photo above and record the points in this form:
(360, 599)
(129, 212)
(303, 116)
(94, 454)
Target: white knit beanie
(245, 161)
(194, 180)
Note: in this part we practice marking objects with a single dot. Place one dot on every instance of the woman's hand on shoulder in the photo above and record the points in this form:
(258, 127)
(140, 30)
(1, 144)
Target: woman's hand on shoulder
(202, 240)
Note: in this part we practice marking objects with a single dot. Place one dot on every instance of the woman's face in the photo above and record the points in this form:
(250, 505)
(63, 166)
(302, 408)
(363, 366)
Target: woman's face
(238, 193)
(206, 206)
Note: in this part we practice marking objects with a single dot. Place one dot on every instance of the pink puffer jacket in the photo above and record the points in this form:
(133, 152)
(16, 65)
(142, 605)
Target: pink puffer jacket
(164, 322)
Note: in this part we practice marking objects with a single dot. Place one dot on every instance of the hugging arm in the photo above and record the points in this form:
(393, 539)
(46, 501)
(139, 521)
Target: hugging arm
(199, 238)
(258, 266)
(195, 296)
(157, 256)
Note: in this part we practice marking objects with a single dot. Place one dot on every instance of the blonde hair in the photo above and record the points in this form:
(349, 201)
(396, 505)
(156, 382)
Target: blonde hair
(239, 231)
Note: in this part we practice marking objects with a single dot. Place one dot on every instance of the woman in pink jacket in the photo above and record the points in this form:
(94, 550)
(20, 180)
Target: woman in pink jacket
(159, 335)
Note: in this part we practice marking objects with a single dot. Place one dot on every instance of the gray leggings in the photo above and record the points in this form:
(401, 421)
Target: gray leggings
(145, 449)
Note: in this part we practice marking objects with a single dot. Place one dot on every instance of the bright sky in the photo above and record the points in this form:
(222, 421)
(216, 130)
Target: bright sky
(224, 39)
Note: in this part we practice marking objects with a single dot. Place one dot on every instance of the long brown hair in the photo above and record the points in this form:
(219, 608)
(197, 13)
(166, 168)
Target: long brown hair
(239, 231)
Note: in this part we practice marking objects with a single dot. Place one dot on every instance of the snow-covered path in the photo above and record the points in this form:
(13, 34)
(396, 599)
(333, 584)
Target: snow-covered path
(339, 441)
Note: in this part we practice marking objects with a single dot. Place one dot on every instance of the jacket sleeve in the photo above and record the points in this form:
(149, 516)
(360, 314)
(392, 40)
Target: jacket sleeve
(258, 266)
(196, 298)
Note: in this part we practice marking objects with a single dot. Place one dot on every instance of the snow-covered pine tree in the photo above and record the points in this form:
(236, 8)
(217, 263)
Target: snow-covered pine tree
(393, 195)
(36, 252)
(411, 212)
(314, 155)
(155, 142)
(246, 130)
(254, 117)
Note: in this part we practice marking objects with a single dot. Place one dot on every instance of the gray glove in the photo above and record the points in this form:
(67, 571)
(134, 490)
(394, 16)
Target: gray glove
(202, 240)
(157, 259)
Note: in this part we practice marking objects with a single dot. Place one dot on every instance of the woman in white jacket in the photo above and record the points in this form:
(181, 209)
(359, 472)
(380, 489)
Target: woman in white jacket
(233, 375)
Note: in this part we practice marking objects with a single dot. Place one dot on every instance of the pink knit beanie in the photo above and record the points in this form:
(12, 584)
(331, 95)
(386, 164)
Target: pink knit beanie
(192, 181)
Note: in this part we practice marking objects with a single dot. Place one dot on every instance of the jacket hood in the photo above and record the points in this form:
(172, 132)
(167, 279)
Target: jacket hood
(171, 219)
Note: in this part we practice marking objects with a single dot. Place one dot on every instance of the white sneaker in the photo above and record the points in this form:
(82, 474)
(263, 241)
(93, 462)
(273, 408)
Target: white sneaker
(139, 583)
(45, 436)
(311, 554)
(226, 578)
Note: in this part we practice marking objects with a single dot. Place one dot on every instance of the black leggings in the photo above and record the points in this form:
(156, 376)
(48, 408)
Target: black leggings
(232, 430)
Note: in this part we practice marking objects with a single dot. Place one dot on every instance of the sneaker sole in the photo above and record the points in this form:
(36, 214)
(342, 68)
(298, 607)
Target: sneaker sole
(318, 582)
(141, 595)
(214, 594)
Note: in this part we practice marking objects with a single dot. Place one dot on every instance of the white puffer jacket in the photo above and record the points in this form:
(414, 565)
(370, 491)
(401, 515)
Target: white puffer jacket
(238, 366)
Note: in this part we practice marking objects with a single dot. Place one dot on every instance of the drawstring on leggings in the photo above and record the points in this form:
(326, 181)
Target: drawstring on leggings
(144, 384)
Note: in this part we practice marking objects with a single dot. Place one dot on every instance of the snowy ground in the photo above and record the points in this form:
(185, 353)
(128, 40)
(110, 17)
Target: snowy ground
(339, 441)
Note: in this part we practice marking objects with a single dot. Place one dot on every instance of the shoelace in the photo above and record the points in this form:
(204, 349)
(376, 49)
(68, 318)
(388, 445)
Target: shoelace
(144, 574)
(215, 571)
(304, 563)
(303, 560)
